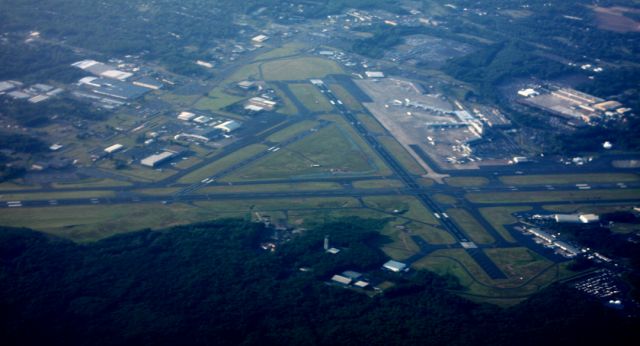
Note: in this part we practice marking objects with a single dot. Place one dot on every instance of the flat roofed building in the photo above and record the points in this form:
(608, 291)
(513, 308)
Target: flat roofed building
(228, 126)
(6, 86)
(341, 279)
(361, 284)
(148, 83)
(589, 218)
(113, 88)
(394, 266)
(353, 275)
(260, 38)
(116, 74)
(186, 116)
(262, 102)
(156, 159)
(528, 92)
(374, 74)
(114, 148)
(567, 218)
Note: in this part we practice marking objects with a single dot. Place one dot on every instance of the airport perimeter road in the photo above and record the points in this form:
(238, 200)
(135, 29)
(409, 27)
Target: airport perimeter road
(480, 257)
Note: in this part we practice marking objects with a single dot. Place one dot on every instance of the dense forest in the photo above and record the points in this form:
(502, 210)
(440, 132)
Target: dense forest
(211, 283)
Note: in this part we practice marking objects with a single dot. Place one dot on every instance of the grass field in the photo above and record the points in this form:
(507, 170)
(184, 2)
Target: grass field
(285, 106)
(470, 226)
(281, 52)
(378, 184)
(400, 154)
(91, 183)
(90, 223)
(271, 187)
(564, 179)
(222, 163)
(13, 186)
(216, 100)
(402, 206)
(445, 199)
(292, 131)
(55, 195)
(370, 123)
(328, 152)
(466, 181)
(299, 69)
(311, 97)
(498, 217)
(346, 97)
(554, 196)
(527, 274)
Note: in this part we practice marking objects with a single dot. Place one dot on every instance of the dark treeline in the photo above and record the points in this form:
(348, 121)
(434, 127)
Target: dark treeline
(210, 284)
(38, 114)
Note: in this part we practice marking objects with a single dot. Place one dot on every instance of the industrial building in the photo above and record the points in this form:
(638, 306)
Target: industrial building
(260, 39)
(576, 218)
(148, 83)
(395, 266)
(102, 70)
(186, 116)
(114, 148)
(374, 74)
(157, 159)
(228, 126)
(113, 88)
(570, 104)
(261, 104)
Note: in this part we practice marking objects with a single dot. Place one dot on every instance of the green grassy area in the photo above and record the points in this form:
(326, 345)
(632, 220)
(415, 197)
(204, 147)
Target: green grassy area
(311, 97)
(90, 183)
(299, 68)
(346, 97)
(285, 106)
(400, 154)
(141, 173)
(378, 184)
(279, 204)
(445, 199)
(527, 273)
(470, 226)
(12, 186)
(564, 179)
(383, 170)
(216, 100)
(222, 163)
(402, 206)
(250, 71)
(370, 123)
(271, 187)
(292, 131)
(466, 181)
(281, 52)
(328, 152)
(90, 223)
(518, 262)
(554, 196)
(32, 196)
(498, 217)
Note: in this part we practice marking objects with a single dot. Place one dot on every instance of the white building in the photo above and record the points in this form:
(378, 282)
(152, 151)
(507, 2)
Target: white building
(228, 126)
(260, 38)
(186, 116)
(114, 148)
(374, 74)
(589, 218)
(395, 266)
(528, 92)
(341, 279)
(156, 159)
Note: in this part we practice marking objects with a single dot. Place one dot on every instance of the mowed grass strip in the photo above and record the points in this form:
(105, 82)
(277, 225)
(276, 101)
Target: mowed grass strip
(553, 196)
(310, 97)
(223, 163)
(466, 181)
(470, 226)
(498, 217)
(36, 196)
(564, 179)
(299, 68)
(327, 152)
(292, 187)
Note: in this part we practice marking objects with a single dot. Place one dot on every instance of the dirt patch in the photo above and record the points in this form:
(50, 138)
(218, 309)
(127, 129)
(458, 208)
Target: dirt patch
(614, 19)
